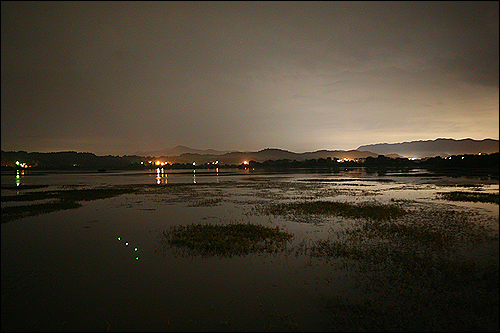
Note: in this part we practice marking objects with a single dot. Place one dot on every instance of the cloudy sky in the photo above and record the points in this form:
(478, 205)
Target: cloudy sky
(121, 77)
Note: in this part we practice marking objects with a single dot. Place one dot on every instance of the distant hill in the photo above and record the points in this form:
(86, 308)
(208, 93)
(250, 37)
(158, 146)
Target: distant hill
(182, 154)
(269, 154)
(75, 160)
(432, 148)
(179, 150)
(69, 160)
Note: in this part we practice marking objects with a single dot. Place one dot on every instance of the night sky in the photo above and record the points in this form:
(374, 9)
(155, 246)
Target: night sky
(122, 77)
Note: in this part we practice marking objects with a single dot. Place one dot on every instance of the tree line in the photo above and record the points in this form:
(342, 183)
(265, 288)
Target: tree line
(86, 161)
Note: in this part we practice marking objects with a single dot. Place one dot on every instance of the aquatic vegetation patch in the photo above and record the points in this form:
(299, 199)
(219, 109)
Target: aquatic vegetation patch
(421, 292)
(93, 194)
(225, 240)
(23, 187)
(192, 194)
(69, 195)
(334, 180)
(17, 212)
(30, 196)
(206, 202)
(65, 199)
(470, 196)
(415, 274)
(367, 210)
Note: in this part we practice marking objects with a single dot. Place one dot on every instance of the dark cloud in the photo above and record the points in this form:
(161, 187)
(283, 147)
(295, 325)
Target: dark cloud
(246, 75)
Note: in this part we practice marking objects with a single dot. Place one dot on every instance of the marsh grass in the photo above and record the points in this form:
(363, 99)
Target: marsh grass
(422, 292)
(23, 187)
(470, 196)
(69, 195)
(412, 264)
(65, 199)
(210, 202)
(415, 274)
(234, 239)
(367, 210)
(335, 180)
(17, 212)
(193, 195)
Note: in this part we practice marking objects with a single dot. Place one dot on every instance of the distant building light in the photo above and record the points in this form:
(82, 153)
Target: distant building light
(22, 165)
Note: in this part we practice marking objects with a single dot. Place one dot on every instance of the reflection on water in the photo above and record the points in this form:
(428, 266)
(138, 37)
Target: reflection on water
(19, 173)
(161, 176)
(127, 244)
(162, 291)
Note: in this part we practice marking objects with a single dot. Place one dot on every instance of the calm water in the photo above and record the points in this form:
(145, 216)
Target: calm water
(102, 266)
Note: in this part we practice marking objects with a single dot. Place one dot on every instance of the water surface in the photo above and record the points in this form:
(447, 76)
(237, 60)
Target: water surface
(103, 266)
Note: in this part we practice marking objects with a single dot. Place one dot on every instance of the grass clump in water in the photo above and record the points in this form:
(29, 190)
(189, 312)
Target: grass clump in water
(226, 240)
(17, 212)
(416, 274)
(206, 202)
(66, 199)
(470, 196)
(366, 210)
(70, 195)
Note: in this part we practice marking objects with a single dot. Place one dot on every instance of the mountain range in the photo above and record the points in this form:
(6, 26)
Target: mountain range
(179, 150)
(431, 148)
(268, 154)
(413, 149)
(182, 154)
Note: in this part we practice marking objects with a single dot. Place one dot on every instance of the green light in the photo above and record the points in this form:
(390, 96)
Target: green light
(136, 258)
(135, 249)
(126, 244)
(119, 238)
(17, 163)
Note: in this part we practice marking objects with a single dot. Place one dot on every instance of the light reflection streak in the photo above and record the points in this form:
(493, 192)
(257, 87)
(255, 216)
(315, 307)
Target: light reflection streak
(161, 176)
(136, 249)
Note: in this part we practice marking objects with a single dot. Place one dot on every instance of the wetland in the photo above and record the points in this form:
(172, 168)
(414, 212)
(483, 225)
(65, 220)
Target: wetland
(236, 250)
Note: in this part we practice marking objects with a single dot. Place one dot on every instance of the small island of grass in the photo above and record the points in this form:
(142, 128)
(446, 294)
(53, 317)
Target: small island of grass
(470, 196)
(226, 240)
(375, 211)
